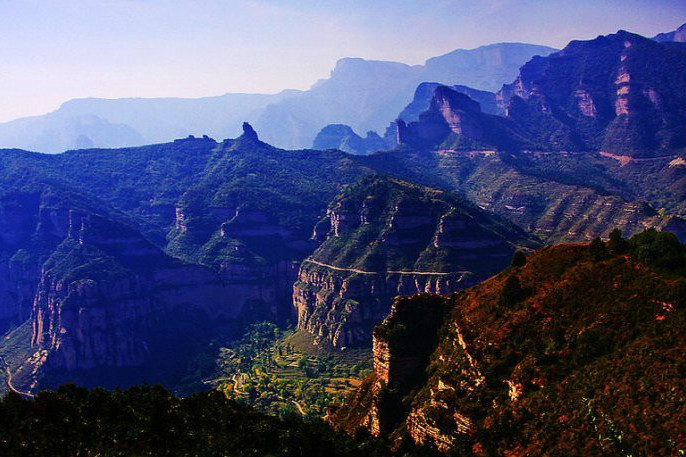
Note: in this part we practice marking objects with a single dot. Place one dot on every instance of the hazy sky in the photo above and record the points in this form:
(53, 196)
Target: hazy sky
(53, 50)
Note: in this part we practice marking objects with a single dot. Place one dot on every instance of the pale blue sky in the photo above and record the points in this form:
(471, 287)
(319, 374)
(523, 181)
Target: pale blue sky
(54, 50)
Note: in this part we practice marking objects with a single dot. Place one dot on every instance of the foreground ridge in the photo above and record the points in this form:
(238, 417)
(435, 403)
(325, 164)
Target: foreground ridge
(552, 356)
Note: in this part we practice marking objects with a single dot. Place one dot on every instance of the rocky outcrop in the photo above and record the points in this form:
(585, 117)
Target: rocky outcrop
(624, 98)
(454, 121)
(342, 137)
(402, 345)
(425, 93)
(390, 238)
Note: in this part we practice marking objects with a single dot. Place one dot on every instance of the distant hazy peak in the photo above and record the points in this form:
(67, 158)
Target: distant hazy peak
(510, 47)
(678, 35)
(358, 62)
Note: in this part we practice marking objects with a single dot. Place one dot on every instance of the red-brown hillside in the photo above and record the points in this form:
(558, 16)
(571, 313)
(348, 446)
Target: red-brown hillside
(584, 356)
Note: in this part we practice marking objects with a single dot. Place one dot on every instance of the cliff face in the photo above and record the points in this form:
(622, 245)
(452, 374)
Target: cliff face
(402, 345)
(453, 120)
(97, 293)
(619, 93)
(390, 238)
(564, 343)
(342, 307)
(106, 297)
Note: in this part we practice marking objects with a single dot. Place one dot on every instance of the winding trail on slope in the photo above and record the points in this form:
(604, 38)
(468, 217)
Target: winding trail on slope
(8, 382)
(362, 272)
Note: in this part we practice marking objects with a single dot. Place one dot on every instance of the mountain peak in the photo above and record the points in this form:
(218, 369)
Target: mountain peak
(249, 133)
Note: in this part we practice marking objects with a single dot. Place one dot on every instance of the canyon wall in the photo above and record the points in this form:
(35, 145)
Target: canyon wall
(387, 238)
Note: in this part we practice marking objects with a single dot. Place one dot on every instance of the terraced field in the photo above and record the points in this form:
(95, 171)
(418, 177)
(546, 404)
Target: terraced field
(283, 372)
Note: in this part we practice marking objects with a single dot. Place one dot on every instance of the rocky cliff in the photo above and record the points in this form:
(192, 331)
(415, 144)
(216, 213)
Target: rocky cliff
(455, 121)
(389, 238)
(546, 357)
(401, 355)
(618, 93)
(99, 296)
(106, 294)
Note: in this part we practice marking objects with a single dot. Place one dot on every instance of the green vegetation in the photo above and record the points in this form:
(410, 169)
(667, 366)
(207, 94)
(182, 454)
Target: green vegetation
(282, 372)
(661, 251)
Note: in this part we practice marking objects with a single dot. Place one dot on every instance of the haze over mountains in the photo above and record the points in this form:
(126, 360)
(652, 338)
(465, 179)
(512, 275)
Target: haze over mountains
(366, 95)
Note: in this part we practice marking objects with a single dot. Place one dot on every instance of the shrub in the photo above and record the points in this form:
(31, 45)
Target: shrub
(660, 250)
(617, 245)
(597, 249)
(512, 292)
(518, 259)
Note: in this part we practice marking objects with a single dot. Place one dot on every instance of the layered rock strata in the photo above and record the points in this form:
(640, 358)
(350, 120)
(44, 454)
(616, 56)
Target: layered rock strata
(388, 238)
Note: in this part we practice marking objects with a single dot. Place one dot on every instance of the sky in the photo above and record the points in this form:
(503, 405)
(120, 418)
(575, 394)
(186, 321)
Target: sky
(55, 50)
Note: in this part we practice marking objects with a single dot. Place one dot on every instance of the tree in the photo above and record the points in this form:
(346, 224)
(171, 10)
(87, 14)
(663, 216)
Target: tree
(597, 249)
(518, 259)
(617, 245)
(512, 292)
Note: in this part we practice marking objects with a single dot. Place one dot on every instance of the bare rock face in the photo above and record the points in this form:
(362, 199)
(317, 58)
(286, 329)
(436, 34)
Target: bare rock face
(96, 293)
(87, 318)
(453, 121)
(342, 307)
(31, 224)
(623, 98)
(402, 345)
(388, 238)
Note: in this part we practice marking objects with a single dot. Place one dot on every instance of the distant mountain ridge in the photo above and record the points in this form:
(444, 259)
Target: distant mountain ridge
(620, 94)
(678, 35)
(364, 94)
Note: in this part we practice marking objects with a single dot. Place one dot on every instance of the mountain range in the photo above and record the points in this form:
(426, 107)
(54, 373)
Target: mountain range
(364, 94)
(478, 256)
